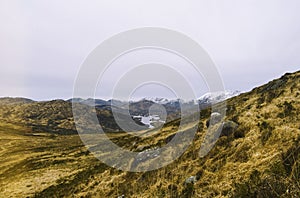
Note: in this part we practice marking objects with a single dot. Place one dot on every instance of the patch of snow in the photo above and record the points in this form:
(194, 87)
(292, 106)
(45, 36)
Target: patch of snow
(148, 120)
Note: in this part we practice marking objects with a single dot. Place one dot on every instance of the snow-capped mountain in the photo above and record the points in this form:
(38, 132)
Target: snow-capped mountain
(170, 104)
(156, 100)
(215, 97)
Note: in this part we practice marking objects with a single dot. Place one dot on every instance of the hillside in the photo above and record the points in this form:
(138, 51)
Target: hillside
(54, 117)
(257, 154)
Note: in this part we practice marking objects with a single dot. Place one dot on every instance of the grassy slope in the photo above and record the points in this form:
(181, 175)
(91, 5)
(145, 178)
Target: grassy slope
(260, 158)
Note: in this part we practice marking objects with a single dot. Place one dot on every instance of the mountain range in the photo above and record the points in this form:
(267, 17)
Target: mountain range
(56, 116)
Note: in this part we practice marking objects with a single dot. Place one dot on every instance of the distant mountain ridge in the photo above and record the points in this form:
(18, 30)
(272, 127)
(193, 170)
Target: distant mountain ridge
(11, 100)
(206, 98)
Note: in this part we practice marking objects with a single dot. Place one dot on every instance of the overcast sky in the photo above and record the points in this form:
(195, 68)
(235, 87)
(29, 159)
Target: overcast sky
(43, 43)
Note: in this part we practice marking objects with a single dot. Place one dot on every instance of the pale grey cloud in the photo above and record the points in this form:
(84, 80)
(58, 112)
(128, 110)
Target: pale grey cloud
(43, 43)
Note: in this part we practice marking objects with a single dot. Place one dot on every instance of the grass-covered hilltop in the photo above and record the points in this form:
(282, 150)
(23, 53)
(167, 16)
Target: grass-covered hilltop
(256, 155)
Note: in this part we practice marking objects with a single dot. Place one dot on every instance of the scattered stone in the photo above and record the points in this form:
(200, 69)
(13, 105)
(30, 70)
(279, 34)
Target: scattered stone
(228, 128)
(215, 118)
(190, 180)
(148, 154)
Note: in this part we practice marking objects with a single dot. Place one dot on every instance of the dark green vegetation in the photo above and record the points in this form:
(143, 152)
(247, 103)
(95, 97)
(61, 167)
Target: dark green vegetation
(257, 154)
